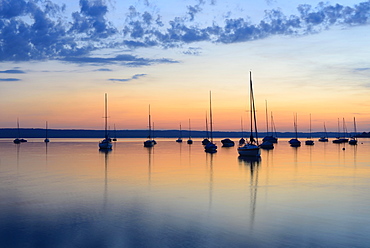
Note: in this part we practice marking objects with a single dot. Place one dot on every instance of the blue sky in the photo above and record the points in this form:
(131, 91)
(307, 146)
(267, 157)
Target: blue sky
(58, 58)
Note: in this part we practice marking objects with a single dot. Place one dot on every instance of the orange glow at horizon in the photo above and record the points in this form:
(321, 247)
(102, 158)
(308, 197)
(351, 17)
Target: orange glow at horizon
(86, 112)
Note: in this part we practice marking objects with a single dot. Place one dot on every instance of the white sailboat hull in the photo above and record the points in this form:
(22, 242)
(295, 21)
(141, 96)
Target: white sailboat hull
(249, 150)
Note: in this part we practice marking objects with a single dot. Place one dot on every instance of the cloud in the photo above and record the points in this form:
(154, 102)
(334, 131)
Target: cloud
(38, 30)
(184, 30)
(10, 79)
(125, 59)
(193, 10)
(9, 9)
(91, 22)
(13, 71)
(41, 30)
(362, 69)
(103, 69)
(134, 77)
(192, 51)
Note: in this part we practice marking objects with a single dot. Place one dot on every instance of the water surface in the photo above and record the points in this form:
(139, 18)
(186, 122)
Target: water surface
(68, 194)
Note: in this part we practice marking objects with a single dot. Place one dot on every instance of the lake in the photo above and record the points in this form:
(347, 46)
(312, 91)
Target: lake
(69, 194)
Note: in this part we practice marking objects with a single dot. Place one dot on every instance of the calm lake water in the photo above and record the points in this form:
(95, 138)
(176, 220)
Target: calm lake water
(68, 194)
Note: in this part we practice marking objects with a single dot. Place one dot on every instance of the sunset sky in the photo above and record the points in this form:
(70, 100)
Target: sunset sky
(59, 58)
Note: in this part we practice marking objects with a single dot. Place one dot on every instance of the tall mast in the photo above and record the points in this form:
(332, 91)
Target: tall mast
(18, 127)
(46, 130)
(295, 125)
(252, 109)
(150, 125)
(189, 130)
(153, 130)
(267, 120)
(106, 116)
(241, 124)
(310, 127)
(207, 133)
(210, 114)
(180, 131)
(250, 105)
(273, 128)
(344, 128)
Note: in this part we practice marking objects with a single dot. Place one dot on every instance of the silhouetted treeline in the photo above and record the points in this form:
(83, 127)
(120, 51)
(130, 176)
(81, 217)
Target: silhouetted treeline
(80, 133)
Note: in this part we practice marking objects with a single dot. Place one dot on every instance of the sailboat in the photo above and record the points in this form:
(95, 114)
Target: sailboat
(106, 143)
(268, 138)
(295, 142)
(19, 140)
(274, 138)
(344, 139)
(227, 142)
(115, 134)
(337, 140)
(205, 141)
(324, 138)
(353, 140)
(242, 140)
(190, 141)
(210, 146)
(150, 142)
(46, 140)
(251, 148)
(309, 142)
(153, 140)
(179, 140)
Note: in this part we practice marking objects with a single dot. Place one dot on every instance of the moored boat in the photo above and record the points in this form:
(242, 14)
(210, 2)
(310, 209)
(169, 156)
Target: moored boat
(189, 141)
(19, 140)
(46, 140)
(210, 147)
(150, 142)
(324, 138)
(179, 139)
(227, 142)
(268, 139)
(353, 140)
(295, 142)
(106, 143)
(267, 145)
(251, 148)
(310, 142)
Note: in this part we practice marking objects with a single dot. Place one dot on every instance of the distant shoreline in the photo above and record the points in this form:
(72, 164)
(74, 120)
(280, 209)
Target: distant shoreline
(83, 133)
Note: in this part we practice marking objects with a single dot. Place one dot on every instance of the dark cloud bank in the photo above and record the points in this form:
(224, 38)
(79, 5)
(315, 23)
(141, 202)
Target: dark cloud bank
(38, 30)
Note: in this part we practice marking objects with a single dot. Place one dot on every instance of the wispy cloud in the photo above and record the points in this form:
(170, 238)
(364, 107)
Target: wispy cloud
(362, 69)
(125, 59)
(103, 69)
(192, 51)
(10, 79)
(13, 71)
(40, 30)
(134, 77)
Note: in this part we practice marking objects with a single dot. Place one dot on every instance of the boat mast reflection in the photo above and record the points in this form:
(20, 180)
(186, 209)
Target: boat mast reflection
(355, 156)
(253, 164)
(189, 150)
(105, 195)
(150, 154)
(209, 156)
(18, 147)
(46, 154)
